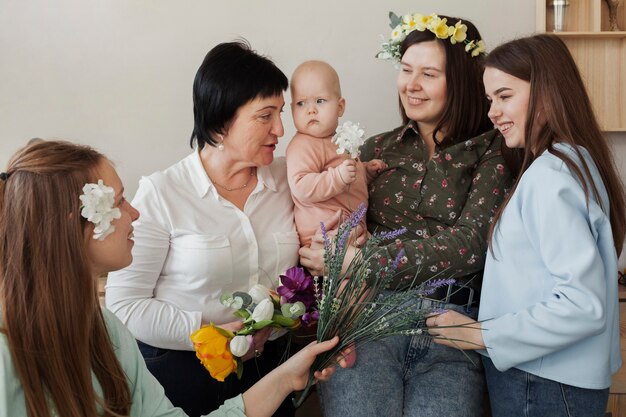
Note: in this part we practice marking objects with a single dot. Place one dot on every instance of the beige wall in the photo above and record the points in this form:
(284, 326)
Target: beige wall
(117, 74)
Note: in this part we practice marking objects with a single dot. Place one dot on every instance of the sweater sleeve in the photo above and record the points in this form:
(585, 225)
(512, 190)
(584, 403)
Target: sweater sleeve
(148, 396)
(308, 180)
(570, 238)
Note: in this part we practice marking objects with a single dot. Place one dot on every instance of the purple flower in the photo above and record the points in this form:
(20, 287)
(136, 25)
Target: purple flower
(297, 285)
(431, 286)
(310, 317)
(398, 259)
(392, 235)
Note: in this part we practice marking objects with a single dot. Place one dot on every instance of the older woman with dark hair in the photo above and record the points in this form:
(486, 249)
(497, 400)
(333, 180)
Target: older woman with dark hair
(220, 220)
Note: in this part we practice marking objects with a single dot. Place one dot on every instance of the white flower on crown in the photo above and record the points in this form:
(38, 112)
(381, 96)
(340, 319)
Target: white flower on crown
(97, 207)
(349, 138)
(398, 34)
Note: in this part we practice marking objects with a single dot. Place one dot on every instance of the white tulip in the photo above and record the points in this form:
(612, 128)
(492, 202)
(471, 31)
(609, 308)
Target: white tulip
(259, 293)
(239, 346)
(263, 311)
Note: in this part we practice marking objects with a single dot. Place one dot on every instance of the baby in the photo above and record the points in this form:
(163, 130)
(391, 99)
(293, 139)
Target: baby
(322, 181)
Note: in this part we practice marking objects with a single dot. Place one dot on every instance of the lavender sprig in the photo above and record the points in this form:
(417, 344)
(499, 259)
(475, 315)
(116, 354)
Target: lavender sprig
(353, 304)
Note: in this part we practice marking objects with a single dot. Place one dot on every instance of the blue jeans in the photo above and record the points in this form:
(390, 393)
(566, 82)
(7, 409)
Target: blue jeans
(407, 376)
(516, 393)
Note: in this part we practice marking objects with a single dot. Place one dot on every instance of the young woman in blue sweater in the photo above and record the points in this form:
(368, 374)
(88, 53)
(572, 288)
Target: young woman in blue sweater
(548, 325)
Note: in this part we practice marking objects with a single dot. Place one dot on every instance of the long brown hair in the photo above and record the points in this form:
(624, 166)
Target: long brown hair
(465, 113)
(50, 313)
(558, 94)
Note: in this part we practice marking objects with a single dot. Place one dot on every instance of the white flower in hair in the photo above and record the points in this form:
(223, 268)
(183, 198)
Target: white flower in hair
(349, 138)
(97, 207)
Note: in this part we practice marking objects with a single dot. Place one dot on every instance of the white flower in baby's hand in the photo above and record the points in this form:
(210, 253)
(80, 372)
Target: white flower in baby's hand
(240, 345)
(349, 138)
(97, 207)
(263, 311)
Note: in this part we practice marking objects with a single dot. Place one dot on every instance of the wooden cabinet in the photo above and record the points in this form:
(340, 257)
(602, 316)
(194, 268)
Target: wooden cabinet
(599, 53)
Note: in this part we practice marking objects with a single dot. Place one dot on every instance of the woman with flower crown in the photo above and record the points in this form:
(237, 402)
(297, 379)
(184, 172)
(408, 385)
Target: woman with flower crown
(446, 176)
(60, 353)
(549, 318)
(218, 221)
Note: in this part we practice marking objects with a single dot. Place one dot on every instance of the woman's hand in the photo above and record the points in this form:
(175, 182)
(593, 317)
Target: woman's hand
(466, 333)
(312, 257)
(296, 369)
(258, 343)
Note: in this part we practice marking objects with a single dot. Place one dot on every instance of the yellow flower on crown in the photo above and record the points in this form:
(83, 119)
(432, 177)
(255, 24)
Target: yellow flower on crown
(421, 21)
(408, 23)
(457, 32)
(480, 48)
(438, 26)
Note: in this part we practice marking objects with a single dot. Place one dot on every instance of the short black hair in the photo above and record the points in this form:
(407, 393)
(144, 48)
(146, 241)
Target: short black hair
(231, 75)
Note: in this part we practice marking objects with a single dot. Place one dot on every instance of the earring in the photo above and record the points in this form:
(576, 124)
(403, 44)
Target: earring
(220, 146)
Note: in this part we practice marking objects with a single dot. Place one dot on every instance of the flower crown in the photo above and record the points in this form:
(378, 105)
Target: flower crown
(406, 24)
(97, 207)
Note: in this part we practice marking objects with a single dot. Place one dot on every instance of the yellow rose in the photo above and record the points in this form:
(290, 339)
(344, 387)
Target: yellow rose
(211, 347)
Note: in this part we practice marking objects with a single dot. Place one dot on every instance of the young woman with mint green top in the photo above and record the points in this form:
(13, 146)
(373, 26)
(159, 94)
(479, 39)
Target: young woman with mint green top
(63, 223)
(549, 311)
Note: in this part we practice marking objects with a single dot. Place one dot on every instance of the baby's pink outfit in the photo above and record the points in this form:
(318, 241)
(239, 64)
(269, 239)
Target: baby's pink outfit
(316, 187)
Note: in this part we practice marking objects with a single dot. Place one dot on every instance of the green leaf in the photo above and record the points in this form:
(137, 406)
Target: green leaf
(283, 321)
(261, 324)
(243, 314)
(226, 333)
(247, 300)
(394, 20)
(245, 331)
(239, 367)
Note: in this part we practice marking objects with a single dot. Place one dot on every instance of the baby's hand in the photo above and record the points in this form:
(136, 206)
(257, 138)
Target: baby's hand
(347, 171)
(373, 168)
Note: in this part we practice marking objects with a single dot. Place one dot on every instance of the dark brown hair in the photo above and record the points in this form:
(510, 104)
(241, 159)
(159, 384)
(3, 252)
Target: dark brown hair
(50, 311)
(557, 92)
(465, 113)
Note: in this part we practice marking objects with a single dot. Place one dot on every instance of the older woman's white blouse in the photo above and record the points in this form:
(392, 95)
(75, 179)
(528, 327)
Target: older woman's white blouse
(191, 245)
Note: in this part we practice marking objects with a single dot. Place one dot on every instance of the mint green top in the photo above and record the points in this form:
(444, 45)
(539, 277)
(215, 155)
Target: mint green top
(147, 394)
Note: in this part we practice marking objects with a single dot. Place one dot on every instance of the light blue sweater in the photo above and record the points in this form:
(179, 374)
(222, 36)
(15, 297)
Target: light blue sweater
(147, 394)
(549, 290)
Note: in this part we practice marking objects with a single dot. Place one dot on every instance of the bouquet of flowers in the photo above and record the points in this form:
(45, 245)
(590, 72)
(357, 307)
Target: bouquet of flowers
(292, 304)
(353, 304)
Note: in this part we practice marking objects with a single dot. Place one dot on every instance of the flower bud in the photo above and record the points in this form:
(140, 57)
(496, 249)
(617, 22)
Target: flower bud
(293, 310)
(240, 345)
(263, 311)
(258, 293)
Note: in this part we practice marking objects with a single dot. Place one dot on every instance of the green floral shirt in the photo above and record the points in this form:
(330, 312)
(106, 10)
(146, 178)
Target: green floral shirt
(446, 203)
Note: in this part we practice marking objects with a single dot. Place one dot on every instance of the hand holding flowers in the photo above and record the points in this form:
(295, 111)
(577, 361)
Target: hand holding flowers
(222, 350)
(455, 330)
